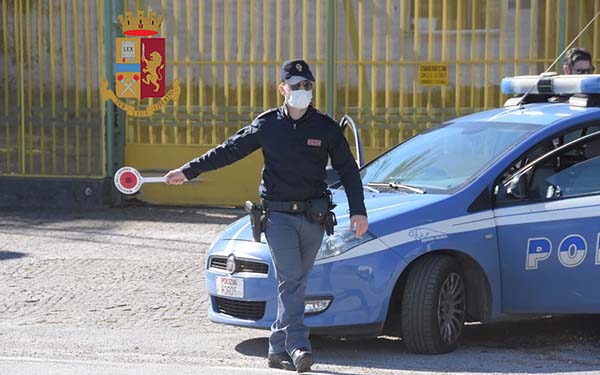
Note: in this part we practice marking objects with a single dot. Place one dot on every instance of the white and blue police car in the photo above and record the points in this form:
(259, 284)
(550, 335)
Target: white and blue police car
(486, 217)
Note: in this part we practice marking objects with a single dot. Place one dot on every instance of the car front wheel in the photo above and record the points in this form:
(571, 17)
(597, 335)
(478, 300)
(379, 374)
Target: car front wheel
(433, 305)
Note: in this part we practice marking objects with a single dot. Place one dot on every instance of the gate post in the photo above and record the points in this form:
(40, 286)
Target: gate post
(561, 32)
(113, 117)
(331, 58)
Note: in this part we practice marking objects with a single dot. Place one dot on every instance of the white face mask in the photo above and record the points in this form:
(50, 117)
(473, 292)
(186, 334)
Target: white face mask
(299, 99)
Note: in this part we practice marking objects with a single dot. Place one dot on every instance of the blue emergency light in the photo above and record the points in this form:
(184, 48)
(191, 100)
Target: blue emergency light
(552, 84)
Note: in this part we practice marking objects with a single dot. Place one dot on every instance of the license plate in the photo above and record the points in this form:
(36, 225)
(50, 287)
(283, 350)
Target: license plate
(230, 287)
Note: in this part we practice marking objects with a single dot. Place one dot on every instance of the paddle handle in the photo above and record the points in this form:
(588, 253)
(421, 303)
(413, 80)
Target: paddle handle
(153, 179)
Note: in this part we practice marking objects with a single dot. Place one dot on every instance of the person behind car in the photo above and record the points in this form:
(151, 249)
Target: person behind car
(296, 141)
(578, 61)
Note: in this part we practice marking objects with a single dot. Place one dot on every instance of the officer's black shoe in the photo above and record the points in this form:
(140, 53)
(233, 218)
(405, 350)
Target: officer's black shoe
(302, 359)
(281, 360)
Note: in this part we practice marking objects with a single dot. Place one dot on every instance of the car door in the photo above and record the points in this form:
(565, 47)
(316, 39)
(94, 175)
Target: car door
(547, 212)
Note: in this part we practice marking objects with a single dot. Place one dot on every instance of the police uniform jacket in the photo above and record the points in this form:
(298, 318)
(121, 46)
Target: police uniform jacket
(295, 154)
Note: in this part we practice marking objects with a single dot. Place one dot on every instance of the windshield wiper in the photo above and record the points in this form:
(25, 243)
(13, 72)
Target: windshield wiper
(394, 185)
(370, 188)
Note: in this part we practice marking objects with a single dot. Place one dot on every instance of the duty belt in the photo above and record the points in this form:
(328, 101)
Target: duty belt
(284, 206)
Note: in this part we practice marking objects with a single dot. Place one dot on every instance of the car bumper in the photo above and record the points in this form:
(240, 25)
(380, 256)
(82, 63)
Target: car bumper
(359, 289)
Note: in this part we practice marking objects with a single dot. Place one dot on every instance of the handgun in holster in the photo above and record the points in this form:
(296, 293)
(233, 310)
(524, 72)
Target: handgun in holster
(257, 219)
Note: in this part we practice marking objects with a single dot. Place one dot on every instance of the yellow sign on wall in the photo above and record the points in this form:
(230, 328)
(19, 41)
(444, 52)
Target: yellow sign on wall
(433, 74)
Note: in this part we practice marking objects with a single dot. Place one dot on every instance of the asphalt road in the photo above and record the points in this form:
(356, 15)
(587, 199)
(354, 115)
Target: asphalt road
(121, 291)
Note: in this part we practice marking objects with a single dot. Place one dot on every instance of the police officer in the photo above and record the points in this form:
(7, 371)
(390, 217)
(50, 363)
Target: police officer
(296, 141)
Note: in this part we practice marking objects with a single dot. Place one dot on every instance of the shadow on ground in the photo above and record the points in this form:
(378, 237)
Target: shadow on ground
(201, 215)
(557, 344)
(102, 225)
(7, 255)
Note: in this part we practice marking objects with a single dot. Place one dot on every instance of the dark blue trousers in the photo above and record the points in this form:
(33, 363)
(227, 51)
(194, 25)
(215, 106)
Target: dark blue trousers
(294, 242)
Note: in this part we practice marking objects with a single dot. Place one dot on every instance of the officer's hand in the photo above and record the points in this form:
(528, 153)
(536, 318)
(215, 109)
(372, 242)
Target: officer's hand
(359, 224)
(175, 177)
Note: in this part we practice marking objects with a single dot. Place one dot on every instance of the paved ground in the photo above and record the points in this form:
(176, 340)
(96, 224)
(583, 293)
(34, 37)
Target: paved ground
(121, 291)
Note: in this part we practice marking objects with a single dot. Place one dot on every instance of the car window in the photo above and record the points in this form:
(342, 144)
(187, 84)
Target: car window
(574, 134)
(579, 179)
(568, 172)
(446, 157)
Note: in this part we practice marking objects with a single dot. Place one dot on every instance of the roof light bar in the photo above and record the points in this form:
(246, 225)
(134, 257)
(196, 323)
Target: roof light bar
(552, 84)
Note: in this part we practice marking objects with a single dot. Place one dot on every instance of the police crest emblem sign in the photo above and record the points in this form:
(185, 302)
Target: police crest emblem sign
(140, 66)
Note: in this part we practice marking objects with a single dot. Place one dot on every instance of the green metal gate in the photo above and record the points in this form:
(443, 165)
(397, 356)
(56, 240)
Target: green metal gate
(367, 57)
(52, 121)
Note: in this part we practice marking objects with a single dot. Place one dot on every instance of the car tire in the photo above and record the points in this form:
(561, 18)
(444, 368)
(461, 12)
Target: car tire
(433, 305)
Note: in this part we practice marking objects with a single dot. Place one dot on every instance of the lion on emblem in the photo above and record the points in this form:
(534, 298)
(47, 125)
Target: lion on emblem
(152, 70)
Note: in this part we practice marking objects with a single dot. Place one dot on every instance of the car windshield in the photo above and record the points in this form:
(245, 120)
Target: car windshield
(445, 157)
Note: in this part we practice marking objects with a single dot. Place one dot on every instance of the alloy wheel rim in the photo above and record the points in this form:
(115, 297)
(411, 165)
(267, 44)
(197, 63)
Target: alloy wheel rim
(451, 308)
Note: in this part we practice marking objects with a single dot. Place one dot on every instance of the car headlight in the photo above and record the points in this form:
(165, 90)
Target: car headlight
(341, 241)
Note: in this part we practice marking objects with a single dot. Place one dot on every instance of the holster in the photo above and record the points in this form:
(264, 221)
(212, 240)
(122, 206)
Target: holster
(258, 218)
(321, 211)
(329, 223)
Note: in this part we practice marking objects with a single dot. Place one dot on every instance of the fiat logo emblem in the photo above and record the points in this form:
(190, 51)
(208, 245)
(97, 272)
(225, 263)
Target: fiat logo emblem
(230, 267)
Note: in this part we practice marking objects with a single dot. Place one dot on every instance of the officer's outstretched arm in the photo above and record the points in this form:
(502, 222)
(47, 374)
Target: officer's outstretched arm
(241, 144)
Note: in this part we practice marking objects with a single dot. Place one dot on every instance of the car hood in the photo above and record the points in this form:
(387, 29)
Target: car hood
(380, 206)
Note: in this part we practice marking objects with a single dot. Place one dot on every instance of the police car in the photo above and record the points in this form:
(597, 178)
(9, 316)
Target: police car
(485, 217)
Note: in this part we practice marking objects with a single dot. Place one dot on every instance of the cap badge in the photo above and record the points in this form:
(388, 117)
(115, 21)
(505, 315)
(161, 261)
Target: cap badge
(299, 67)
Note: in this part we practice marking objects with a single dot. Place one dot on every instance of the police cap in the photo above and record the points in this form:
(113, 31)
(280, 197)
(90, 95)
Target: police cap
(294, 71)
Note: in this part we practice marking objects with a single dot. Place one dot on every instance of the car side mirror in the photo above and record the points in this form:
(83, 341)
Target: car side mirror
(517, 187)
